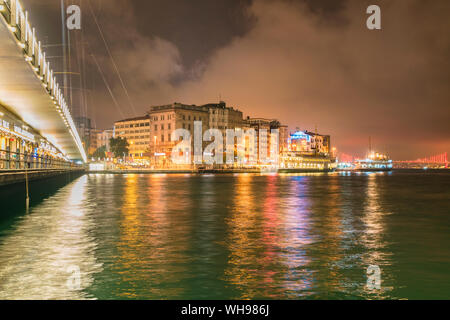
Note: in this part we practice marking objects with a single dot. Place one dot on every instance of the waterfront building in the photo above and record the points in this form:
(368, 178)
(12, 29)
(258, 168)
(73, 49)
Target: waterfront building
(284, 137)
(265, 141)
(307, 151)
(222, 117)
(167, 118)
(320, 143)
(309, 142)
(137, 132)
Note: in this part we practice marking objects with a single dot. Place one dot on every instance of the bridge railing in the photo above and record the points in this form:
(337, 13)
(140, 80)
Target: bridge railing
(15, 161)
(25, 34)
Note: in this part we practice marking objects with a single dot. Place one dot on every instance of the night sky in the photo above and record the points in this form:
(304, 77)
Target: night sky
(305, 63)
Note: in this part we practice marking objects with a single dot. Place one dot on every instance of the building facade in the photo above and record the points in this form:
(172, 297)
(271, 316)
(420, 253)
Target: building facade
(309, 142)
(167, 118)
(222, 117)
(137, 132)
(103, 138)
(320, 143)
(87, 133)
(266, 141)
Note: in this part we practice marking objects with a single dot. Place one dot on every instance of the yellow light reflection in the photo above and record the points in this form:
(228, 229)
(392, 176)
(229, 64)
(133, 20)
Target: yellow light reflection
(53, 238)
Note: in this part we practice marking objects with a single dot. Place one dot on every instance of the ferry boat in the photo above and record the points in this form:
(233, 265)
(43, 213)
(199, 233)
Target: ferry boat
(374, 162)
(293, 162)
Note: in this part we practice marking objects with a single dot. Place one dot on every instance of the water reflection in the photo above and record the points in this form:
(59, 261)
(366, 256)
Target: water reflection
(35, 259)
(243, 236)
(153, 237)
(373, 237)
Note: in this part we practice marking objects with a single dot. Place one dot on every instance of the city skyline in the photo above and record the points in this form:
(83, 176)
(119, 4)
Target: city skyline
(303, 63)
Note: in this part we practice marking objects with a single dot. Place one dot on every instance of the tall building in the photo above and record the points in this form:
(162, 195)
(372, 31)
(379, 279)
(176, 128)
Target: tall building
(86, 132)
(137, 132)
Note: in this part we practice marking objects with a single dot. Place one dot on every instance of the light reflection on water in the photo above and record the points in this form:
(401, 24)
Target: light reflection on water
(226, 236)
(35, 259)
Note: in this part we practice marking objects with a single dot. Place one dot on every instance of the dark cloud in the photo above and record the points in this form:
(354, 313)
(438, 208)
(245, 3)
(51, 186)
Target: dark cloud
(305, 62)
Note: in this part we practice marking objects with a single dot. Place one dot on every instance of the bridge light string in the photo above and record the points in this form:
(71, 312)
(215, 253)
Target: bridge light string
(41, 67)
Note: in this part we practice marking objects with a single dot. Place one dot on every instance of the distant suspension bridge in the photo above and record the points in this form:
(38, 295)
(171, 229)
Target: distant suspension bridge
(435, 161)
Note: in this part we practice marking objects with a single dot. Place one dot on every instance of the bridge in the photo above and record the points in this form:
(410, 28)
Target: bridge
(36, 127)
(436, 161)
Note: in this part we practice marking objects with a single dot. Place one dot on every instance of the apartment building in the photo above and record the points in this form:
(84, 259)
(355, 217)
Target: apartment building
(137, 132)
(222, 117)
(259, 124)
(167, 118)
(320, 143)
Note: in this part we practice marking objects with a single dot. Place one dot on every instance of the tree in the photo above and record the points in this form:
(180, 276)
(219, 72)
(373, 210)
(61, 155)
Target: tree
(119, 146)
(100, 153)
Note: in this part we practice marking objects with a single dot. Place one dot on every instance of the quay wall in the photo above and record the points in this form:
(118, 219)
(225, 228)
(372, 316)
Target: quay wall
(9, 177)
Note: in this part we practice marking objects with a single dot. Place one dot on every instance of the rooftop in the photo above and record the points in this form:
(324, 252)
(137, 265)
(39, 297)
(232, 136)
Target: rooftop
(134, 119)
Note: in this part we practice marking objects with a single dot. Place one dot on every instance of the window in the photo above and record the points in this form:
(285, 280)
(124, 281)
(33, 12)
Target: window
(162, 118)
(184, 117)
(156, 127)
(169, 126)
(168, 137)
(162, 138)
(162, 127)
(189, 118)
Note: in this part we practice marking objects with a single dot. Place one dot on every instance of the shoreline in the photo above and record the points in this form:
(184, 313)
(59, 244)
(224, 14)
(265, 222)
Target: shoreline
(253, 171)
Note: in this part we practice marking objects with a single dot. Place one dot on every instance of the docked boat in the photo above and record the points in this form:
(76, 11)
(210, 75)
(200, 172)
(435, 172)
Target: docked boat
(373, 162)
(293, 162)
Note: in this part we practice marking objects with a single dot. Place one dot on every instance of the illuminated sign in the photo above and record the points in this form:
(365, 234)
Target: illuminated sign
(300, 135)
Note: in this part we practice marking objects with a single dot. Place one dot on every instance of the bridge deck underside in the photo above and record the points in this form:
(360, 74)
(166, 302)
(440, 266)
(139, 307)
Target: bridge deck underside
(21, 92)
